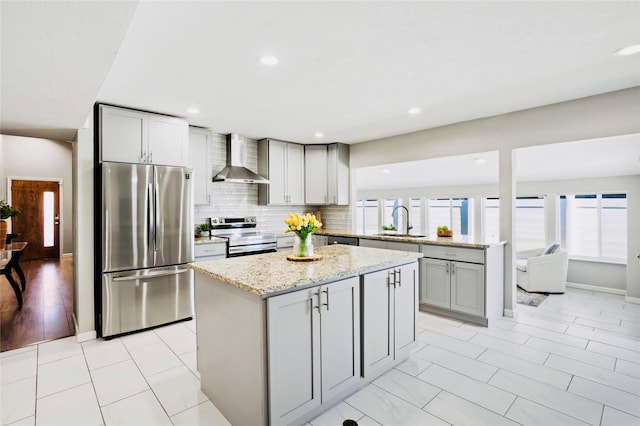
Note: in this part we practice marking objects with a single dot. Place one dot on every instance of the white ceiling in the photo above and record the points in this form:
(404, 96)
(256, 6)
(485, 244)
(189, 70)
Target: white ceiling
(349, 69)
(594, 158)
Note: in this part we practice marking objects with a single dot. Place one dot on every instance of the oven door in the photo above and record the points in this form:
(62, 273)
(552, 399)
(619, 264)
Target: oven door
(246, 250)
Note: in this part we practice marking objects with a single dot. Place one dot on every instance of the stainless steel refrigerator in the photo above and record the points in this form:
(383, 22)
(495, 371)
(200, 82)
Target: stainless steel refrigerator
(147, 239)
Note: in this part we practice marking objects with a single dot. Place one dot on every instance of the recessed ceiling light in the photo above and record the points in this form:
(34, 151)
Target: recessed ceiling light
(318, 134)
(414, 110)
(481, 161)
(629, 50)
(268, 60)
(386, 171)
(193, 110)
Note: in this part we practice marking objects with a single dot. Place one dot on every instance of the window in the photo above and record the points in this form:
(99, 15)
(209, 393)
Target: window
(452, 212)
(48, 219)
(367, 216)
(594, 225)
(397, 219)
(491, 219)
(529, 223)
(416, 222)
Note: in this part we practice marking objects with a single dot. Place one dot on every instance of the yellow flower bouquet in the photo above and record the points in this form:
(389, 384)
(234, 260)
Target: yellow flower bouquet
(303, 227)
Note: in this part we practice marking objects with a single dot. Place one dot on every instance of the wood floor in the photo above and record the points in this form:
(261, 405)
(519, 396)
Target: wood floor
(47, 307)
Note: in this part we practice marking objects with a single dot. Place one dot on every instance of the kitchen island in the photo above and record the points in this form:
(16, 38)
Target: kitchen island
(279, 342)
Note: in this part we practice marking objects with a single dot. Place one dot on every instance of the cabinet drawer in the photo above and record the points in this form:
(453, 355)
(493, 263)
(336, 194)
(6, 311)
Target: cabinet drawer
(284, 242)
(453, 253)
(215, 249)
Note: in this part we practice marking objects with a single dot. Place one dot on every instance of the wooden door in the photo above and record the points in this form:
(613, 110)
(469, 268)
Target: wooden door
(39, 220)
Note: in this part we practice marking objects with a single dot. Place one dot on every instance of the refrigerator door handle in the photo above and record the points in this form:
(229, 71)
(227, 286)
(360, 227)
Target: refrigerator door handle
(150, 275)
(150, 220)
(156, 212)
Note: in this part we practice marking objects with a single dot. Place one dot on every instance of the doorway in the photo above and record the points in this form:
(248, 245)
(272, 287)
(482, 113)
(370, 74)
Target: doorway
(39, 222)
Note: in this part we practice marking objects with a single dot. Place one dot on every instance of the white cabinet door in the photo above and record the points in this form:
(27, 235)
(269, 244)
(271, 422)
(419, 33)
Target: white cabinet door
(315, 171)
(295, 173)
(293, 330)
(390, 309)
(435, 282)
(277, 186)
(340, 336)
(406, 310)
(199, 162)
(467, 288)
(378, 322)
(168, 140)
(123, 134)
(338, 174)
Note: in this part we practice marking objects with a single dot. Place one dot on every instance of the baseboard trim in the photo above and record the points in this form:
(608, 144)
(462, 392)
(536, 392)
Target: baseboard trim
(630, 299)
(589, 287)
(87, 335)
(508, 313)
(67, 254)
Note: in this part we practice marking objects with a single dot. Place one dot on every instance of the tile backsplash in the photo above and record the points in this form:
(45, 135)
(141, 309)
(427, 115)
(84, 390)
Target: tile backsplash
(241, 199)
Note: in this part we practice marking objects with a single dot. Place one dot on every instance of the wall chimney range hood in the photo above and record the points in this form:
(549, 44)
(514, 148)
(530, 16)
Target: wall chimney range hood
(236, 171)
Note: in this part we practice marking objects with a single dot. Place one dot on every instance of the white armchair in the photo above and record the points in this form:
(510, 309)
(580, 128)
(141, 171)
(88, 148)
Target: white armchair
(542, 273)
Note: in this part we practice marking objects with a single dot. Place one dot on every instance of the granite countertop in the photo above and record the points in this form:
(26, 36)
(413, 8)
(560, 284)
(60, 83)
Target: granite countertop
(270, 274)
(455, 241)
(209, 240)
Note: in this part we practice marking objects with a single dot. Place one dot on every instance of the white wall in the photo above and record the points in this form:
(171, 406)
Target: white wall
(83, 277)
(604, 115)
(41, 158)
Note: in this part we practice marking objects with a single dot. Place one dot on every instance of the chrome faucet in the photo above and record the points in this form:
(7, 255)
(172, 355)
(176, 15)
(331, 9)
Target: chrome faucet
(406, 210)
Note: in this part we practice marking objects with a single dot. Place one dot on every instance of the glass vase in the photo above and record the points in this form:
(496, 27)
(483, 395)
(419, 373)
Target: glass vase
(303, 247)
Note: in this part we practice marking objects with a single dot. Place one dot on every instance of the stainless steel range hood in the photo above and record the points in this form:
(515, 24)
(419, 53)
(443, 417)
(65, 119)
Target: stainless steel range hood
(236, 171)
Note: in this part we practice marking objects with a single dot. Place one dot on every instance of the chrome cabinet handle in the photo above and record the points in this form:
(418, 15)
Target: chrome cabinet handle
(399, 278)
(326, 304)
(317, 307)
(447, 267)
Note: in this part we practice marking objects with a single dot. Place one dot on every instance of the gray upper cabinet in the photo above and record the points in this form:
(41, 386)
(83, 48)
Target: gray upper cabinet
(200, 141)
(327, 174)
(283, 164)
(338, 174)
(315, 170)
(129, 136)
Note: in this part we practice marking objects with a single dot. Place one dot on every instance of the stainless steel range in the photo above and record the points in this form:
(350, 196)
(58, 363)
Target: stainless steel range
(242, 235)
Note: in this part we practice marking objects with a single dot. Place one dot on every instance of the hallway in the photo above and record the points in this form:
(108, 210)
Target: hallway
(48, 304)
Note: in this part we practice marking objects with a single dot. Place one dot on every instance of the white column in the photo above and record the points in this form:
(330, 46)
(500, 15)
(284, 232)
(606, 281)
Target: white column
(83, 278)
(507, 191)
(551, 219)
(478, 216)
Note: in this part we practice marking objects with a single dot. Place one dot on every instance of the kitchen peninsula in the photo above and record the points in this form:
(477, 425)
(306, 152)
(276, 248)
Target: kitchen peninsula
(279, 342)
(460, 276)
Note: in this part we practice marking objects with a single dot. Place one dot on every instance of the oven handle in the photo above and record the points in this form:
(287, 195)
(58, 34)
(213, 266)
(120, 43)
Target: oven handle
(242, 251)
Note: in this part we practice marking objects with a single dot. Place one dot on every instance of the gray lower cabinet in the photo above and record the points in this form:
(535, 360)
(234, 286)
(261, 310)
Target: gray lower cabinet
(389, 245)
(453, 285)
(389, 316)
(461, 282)
(209, 251)
(314, 348)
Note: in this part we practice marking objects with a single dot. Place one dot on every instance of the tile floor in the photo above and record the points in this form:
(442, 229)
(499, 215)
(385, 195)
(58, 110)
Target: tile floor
(574, 360)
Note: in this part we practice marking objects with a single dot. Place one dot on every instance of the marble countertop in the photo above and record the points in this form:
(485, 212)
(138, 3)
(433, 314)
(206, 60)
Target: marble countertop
(455, 241)
(270, 274)
(209, 240)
